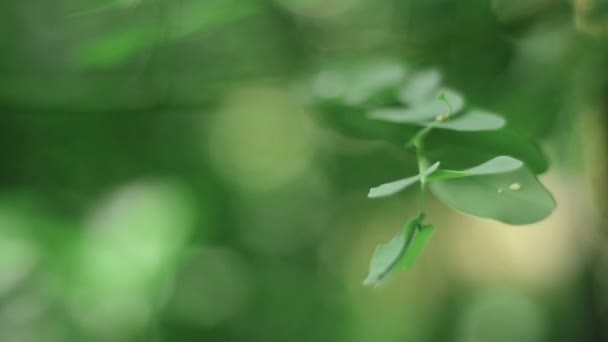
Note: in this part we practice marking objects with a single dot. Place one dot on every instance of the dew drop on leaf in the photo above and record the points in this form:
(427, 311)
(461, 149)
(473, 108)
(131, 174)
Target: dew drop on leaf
(443, 118)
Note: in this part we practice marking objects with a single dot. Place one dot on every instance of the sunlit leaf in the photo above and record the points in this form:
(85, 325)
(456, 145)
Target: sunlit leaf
(392, 188)
(514, 197)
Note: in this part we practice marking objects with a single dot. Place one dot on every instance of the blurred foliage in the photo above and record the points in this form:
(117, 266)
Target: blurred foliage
(162, 178)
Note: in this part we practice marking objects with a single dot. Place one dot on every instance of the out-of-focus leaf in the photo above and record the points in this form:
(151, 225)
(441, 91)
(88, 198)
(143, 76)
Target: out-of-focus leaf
(118, 46)
(358, 86)
(355, 124)
(374, 79)
(392, 188)
(421, 87)
(420, 114)
(499, 164)
(341, 95)
(515, 197)
(200, 16)
(455, 99)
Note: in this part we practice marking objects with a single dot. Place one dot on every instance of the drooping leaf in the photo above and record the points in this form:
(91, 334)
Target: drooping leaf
(394, 255)
(385, 258)
(496, 165)
(514, 197)
(392, 188)
(420, 239)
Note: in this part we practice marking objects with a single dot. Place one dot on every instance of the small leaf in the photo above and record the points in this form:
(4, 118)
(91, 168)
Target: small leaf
(474, 120)
(426, 115)
(499, 164)
(391, 256)
(392, 188)
(493, 196)
(455, 100)
(420, 114)
(372, 80)
(421, 87)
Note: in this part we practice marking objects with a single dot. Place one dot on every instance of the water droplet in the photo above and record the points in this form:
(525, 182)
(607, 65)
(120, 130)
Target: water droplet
(515, 187)
(443, 118)
(500, 190)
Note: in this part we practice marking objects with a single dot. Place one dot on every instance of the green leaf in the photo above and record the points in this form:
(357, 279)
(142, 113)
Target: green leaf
(354, 123)
(118, 46)
(358, 85)
(421, 87)
(371, 80)
(341, 95)
(455, 99)
(462, 150)
(420, 114)
(395, 254)
(474, 120)
(499, 164)
(392, 188)
(515, 197)
(456, 149)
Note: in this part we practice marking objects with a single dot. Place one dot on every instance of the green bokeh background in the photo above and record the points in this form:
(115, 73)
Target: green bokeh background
(161, 178)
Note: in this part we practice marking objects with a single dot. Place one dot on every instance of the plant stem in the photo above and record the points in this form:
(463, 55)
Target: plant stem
(422, 166)
(417, 142)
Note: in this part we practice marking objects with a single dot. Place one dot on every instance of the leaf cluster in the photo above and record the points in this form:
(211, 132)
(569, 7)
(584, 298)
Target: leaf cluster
(468, 157)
